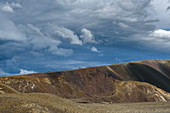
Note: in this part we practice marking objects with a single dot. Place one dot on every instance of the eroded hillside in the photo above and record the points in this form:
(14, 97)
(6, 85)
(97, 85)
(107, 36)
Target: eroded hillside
(114, 83)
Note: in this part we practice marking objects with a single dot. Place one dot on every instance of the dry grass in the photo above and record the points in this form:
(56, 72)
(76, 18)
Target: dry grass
(47, 103)
(7, 89)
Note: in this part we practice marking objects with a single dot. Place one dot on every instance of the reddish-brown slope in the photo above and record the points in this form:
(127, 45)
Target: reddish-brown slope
(114, 83)
(155, 72)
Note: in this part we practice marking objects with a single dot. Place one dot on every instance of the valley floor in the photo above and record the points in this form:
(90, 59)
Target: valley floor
(47, 103)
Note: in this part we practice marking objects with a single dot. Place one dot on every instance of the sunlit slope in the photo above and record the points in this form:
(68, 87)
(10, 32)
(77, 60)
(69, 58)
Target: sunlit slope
(6, 89)
(114, 83)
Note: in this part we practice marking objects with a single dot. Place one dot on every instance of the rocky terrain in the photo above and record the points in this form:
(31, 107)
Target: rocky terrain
(141, 81)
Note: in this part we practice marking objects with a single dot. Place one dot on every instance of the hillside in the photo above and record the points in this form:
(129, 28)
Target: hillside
(142, 81)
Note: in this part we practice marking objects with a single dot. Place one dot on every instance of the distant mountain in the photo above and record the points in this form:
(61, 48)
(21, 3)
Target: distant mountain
(140, 81)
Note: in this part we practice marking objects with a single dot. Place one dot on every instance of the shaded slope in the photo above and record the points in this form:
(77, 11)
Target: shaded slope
(153, 72)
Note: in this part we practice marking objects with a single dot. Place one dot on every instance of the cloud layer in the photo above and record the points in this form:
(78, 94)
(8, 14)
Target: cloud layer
(36, 31)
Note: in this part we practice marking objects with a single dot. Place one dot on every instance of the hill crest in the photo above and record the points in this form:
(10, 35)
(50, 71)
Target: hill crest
(126, 82)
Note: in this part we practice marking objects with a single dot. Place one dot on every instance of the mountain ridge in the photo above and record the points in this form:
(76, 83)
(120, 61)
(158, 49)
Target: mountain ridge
(138, 81)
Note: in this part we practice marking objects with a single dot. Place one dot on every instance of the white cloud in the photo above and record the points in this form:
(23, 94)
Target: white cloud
(9, 31)
(87, 36)
(161, 33)
(33, 29)
(15, 5)
(68, 34)
(160, 39)
(22, 72)
(123, 25)
(60, 51)
(40, 41)
(6, 8)
(161, 13)
(156, 40)
(94, 49)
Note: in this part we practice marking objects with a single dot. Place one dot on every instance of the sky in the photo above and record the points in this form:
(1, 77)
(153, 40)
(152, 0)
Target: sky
(54, 35)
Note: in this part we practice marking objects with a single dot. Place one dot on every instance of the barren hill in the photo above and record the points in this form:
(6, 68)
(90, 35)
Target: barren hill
(142, 81)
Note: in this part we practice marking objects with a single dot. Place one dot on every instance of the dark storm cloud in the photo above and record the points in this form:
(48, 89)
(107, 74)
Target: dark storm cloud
(168, 8)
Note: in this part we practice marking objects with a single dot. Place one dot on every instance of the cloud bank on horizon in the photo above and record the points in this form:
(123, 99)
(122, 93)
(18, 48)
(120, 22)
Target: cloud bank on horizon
(41, 35)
